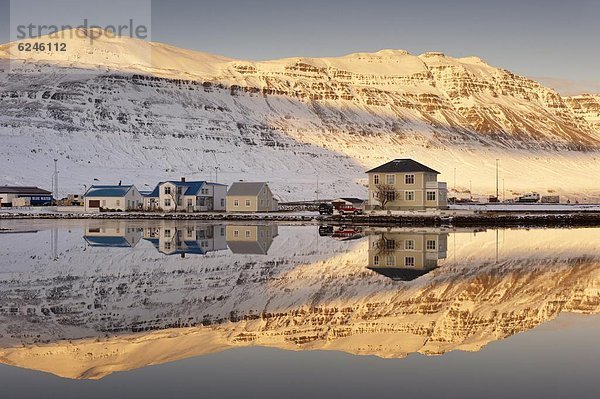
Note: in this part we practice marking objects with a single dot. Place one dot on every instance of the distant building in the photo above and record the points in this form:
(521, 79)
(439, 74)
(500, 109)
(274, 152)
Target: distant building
(251, 197)
(406, 184)
(24, 196)
(248, 239)
(179, 239)
(406, 255)
(188, 196)
(348, 201)
(118, 198)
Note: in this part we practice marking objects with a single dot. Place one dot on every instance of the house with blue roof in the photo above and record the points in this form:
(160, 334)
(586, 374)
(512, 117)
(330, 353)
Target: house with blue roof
(116, 198)
(186, 196)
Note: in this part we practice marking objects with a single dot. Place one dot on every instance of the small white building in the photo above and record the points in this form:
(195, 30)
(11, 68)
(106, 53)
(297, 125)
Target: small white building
(186, 196)
(118, 198)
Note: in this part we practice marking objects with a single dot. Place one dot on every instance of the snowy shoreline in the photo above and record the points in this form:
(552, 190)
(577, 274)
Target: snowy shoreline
(452, 217)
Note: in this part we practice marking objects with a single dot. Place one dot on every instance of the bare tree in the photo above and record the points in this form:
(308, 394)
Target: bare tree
(385, 193)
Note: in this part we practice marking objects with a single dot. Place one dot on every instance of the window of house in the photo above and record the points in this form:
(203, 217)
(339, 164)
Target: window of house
(390, 260)
(390, 195)
(222, 202)
(375, 179)
(409, 244)
(168, 190)
(409, 195)
(168, 233)
(247, 202)
(409, 179)
(409, 261)
(390, 244)
(390, 179)
(236, 203)
(430, 195)
(222, 231)
(168, 245)
(190, 231)
(376, 260)
(431, 244)
(179, 190)
(118, 202)
(167, 202)
(236, 233)
(247, 233)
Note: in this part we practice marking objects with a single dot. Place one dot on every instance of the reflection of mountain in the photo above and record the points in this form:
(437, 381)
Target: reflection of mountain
(251, 239)
(406, 255)
(310, 292)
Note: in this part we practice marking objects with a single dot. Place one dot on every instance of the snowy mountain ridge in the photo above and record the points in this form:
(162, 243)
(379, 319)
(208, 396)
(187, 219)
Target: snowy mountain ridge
(154, 111)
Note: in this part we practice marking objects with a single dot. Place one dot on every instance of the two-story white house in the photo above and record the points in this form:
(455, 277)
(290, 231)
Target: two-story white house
(186, 196)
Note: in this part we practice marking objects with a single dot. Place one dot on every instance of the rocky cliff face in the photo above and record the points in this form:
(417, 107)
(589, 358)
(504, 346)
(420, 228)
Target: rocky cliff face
(586, 106)
(155, 111)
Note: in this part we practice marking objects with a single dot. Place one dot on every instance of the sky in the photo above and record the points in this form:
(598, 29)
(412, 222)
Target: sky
(553, 41)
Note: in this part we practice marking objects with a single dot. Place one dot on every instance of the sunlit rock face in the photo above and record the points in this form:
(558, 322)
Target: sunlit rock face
(586, 106)
(178, 111)
(99, 310)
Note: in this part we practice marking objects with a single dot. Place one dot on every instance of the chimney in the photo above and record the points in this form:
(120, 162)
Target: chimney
(183, 179)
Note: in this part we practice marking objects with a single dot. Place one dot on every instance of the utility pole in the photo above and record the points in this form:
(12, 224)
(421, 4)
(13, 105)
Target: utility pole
(55, 181)
(216, 174)
(454, 179)
(317, 192)
(471, 189)
(497, 181)
(503, 191)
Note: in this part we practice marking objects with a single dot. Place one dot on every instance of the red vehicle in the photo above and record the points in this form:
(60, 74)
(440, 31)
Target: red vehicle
(349, 210)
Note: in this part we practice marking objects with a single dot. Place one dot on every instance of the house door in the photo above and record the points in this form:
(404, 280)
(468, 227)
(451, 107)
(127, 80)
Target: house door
(94, 203)
(190, 205)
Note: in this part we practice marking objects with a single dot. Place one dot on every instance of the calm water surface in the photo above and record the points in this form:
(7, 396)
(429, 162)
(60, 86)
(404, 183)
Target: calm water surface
(149, 309)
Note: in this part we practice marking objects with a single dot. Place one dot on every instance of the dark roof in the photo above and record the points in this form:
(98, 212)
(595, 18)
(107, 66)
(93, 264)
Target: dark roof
(400, 274)
(107, 191)
(107, 241)
(244, 188)
(23, 190)
(193, 187)
(246, 247)
(402, 165)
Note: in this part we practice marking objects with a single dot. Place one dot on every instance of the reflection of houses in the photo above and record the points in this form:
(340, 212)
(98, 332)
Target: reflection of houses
(188, 196)
(406, 255)
(111, 235)
(406, 184)
(175, 238)
(119, 198)
(251, 239)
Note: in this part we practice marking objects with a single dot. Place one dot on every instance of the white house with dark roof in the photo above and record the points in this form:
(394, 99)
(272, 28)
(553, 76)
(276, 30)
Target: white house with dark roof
(251, 197)
(186, 196)
(405, 184)
(118, 198)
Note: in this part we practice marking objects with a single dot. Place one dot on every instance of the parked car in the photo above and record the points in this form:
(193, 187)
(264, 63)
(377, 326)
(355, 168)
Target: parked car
(349, 210)
(325, 231)
(326, 209)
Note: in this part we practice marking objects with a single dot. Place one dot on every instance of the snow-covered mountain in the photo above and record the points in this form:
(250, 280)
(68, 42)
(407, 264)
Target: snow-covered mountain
(114, 309)
(125, 109)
